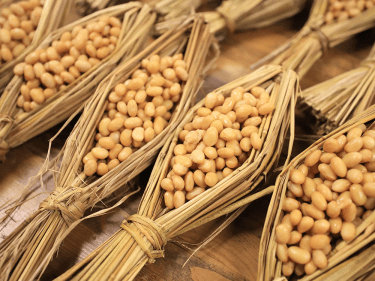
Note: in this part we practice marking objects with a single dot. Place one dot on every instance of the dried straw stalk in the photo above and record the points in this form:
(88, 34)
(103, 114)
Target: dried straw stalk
(234, 15)
(166, 9)
(52, 17)
(335, 101)
(27, 251)
(307, 46)
(269, 268)
(142, 237)
(17, 126)
(172, 9)
(237, 15)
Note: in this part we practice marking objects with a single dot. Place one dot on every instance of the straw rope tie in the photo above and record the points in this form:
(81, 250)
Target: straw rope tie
(323, 39)
(150, 230)
(230, 22)
(4, 147)
(70, 213)
(6, 118)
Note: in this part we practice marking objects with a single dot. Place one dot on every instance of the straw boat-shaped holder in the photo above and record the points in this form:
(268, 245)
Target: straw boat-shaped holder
(26, 251)
(318, 35)
(143, 236)
(18, 126)
(335, 101)
(330, 236)
(52, 17)
(237, 15)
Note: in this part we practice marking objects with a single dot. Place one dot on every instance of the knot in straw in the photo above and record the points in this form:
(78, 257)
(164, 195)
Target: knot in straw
(323, 39)
(229, 20)
(70, 213)
(4, 147)
(6, 118)
(149, 229)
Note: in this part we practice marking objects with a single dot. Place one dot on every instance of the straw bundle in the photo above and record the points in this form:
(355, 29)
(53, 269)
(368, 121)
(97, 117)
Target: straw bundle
(18, 126)
(51, 18)
(318, 35)
(333, 261)
(234, 15)
(144, 235)
(166, 9)
(335, 101)
(26, 252)
(169, 9)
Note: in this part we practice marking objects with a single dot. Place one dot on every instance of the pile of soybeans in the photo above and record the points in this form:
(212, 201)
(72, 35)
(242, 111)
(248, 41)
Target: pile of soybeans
(339, 10)
(328, 197)
(138, 110)
(18, 23)
(48, 71)
(215, 143)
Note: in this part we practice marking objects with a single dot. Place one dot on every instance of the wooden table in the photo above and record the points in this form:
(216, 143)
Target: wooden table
(233, 254)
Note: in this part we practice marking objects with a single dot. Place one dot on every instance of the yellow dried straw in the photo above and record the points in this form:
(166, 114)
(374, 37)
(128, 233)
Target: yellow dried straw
(269, 268)
(335, 101)
(238, 15)
(52, 17)
(166, 9)
(172, 9)
(17, 126)
(307, 46)
(26, 252)
(142, 237)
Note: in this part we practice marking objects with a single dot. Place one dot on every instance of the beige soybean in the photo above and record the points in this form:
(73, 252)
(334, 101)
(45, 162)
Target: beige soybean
(320, 259)
(282, 234)
(306, 223)
(313, 158)
(296, 189)
(299, 255)
(319, 201)
(90, 167)
(331, 145)
(309, 187)
(369, 189)
(295, 237)
(319, 241)
(314, 212)
(338, 166)
(291, 204)
(349, 212)
(194, 193)
(348, 231)
(282, 252)
(297, 177)
(325, 191)
(321, 227)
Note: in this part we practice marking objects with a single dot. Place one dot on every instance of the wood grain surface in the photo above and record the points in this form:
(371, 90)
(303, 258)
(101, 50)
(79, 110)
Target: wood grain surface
(233, 254)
